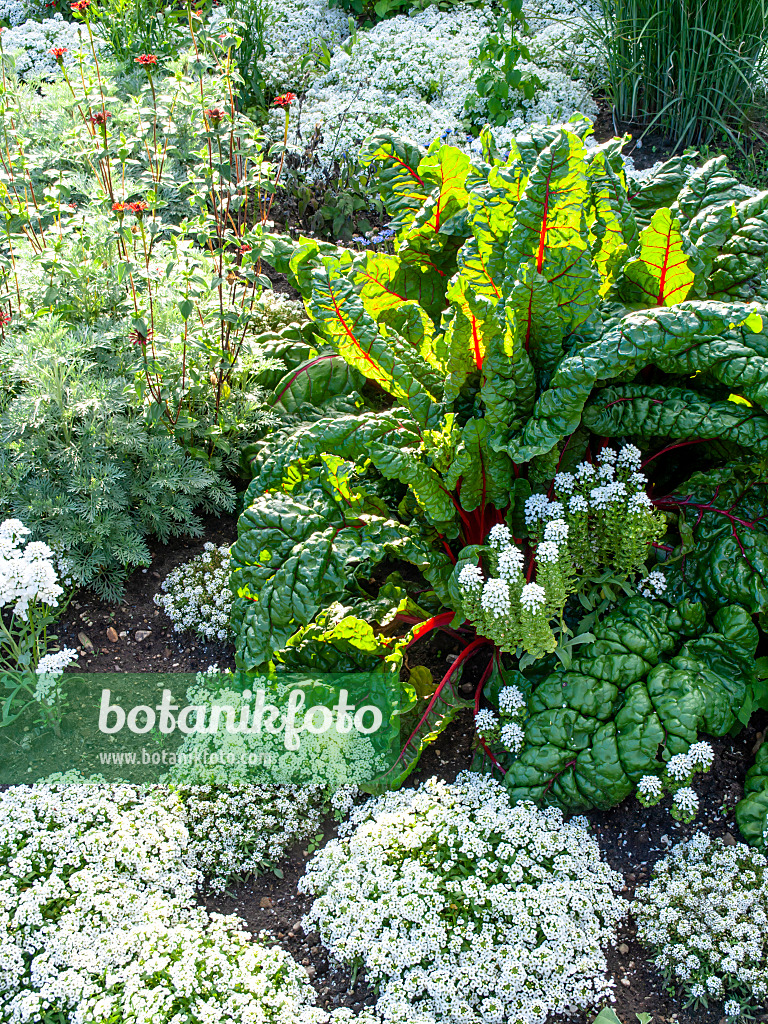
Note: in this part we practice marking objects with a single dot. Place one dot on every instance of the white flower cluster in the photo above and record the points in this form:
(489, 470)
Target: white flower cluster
(465, 908)
(13, 11)
(98, 919)
(238, 831)
(676, 779)
(412, 75)
(49, 670)
(196, 595)
(609, 516)
(654, 584)
(30, 45)
(27, 574)
(508, 727)
(293, 29)
(705, 915)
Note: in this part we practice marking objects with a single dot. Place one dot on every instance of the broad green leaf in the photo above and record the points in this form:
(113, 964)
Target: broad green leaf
(426, 484)
(539, 326)
(479, 475)
(314, 382)
(740, 269)
(661, 273)
(725, 507)
(730, 342)
(661, 188)
(645, 412)
(422, 726)
(355, 335)
(606, 1016)
(710, 186)
(652, 681)
(444, 170)
(551, 211)
(410, 322)
(507, 382)
(401, 186)
(345, 436)
(384, 282)
(613, 230)
(752, 811)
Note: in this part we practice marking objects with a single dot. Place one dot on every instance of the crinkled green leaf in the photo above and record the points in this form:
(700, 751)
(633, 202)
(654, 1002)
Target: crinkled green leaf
(639, 691)
(752, 811)
(644, 411)
(384, 282)
(726, 509)
(315, 381)
(355, 335)
(479, 475)
(400, 185)
(662, 274)
(730, 342)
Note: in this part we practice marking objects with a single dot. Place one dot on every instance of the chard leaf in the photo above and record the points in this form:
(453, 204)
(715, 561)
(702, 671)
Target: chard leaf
(645, 412)
(479, 474)
(355, 335)
(730, 342)
(550, 212)
(660, 188)
(314, 382)
(662, 274)
(401, 186)
(384, 282)
(728, 561)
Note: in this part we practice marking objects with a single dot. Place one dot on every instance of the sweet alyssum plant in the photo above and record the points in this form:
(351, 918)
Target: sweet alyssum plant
(533, 309)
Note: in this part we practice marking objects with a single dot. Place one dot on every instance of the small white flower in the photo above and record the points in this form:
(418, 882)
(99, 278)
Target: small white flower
(510, 564)
(547, 551)
(650, 787)
(686, 800)
(495, 598)
(499, 537)
(470, 578)
(511, 700)
(578, 504)
(679, 767)
(732, 1008)
(485, 721)
(630, 457)
(533, 597)
(513, 737)
(564, 483)
(701, 755)
(556, 530)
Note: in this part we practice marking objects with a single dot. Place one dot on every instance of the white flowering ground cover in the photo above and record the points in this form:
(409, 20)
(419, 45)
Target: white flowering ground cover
(464, 908)
(705, 916)
(412, 74)
(99, 921)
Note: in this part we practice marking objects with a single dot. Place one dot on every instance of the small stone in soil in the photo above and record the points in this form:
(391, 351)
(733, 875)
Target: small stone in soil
(112, 634)
(142, 634)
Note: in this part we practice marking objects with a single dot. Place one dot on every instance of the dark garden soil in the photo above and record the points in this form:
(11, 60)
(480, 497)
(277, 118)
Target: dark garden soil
(631, 837)
(135, 635)
(644, 148)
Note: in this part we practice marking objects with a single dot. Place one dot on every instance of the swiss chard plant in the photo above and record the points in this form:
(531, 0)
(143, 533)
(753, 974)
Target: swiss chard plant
(537, 314)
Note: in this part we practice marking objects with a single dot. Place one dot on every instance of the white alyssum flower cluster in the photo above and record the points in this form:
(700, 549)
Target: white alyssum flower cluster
(241, 831)
(27, 573)
(705, 915)
(49, 671)
(412, 75)
(493, 912)
(14, 12)
(98, 919)
(196, 595)
(294, 28)
(676, 779)
(30, 45)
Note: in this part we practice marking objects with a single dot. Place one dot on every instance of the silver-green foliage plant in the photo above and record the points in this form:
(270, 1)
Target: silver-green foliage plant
(704, 915)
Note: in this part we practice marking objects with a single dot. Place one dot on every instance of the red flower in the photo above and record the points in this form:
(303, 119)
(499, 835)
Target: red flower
(285, 100)
(5, 318)
(138, 338)
(244, 248)
(80, 6)
(215, 115)
(100, 117)
(146, 60)
(58, 52)
(119, 210)
(137, 208)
